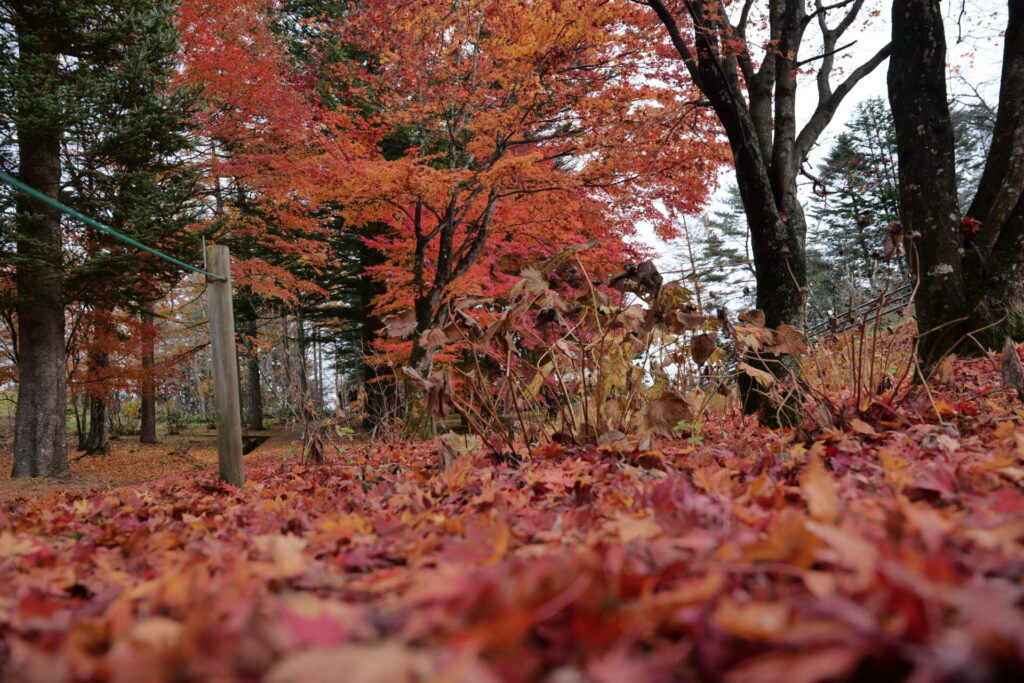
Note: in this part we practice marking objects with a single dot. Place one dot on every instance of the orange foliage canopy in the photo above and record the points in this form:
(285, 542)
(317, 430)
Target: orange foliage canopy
(525, 127)
(480, 136)
(259, 130)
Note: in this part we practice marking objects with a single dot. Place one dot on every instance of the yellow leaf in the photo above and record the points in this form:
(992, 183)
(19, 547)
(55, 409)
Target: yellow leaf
(820, 491)
(862, 427)
(762, 377)
(755, 621)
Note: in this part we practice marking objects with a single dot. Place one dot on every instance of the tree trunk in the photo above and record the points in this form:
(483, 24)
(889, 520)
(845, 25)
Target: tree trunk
(254, 389)
(379, 386)
(999, 308)
(994, 264)
(758, 113)
(40, 448)
(418, 423)
(303, 368)
(286, 357)
(965, 284)
(147, 393)
(927, 176)
(98, 439)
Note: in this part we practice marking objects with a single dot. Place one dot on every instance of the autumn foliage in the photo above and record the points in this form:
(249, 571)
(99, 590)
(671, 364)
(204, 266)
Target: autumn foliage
(596, 507)
(884, 552)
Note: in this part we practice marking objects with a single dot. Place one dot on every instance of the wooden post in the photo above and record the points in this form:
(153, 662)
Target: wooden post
(225, 365)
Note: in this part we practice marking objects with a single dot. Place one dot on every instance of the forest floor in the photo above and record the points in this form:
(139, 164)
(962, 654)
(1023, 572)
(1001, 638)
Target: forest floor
(129, 462)
(885, 549)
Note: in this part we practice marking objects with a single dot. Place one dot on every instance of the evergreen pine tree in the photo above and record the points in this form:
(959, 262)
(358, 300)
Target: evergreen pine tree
(85, 87)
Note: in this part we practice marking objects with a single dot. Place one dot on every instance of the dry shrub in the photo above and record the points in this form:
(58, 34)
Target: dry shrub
(576, 362)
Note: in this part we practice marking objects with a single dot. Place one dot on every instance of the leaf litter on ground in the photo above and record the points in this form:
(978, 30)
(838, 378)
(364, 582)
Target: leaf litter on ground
(893, 551)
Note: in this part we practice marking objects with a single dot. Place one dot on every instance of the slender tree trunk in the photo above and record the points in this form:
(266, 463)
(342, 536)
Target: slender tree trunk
(994, 264)
(147, 394)
(286, 356)
(40, 448)
(254, 389)
(965, 285)
(927, 175)
(98, 438)
(378, 383)
(303, 368)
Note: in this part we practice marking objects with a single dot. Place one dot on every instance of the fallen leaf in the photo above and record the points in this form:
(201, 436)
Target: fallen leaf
(820, 491)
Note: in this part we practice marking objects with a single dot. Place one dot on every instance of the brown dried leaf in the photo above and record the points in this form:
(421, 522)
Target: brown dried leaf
(451, 446)
(786, 339)
(753, 337)
(400, 324)
(643, 279)
(892, 241)
(610, 437)
(433, 338)
(753, 317)
(673, 296)
(820, 491)
(664, 413)
(681, 321)
(532, 281)
(762, 377)
(702, 346)
(437, 391)
(468, 323)
(944, 371)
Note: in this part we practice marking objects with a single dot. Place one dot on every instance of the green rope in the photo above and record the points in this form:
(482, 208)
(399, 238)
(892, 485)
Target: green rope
(36, 194)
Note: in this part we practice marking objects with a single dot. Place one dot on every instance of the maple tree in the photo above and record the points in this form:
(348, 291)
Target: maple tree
(523, 127)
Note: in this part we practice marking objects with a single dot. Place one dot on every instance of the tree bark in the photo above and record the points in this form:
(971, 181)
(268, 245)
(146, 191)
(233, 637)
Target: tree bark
(966, 285)
(254, 389)
(994, 264)
(40, 448)
(147, 393)
(98, 439)
(768, 149)
(927, 176)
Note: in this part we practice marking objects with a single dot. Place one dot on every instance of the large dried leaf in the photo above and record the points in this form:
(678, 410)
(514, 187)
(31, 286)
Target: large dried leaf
(673, 296)
(531, 281)
(643, 280)
(702, 346)
(678, 322)
(754, 317)
(892, 241)
(400, 324)
(762, 377)
(437, 391)
(433, 338)
(452, 446)
(820, 491)
(787, 339)
(664, 413)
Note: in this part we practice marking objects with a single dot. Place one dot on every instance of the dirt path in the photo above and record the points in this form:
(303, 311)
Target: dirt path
(130, 462)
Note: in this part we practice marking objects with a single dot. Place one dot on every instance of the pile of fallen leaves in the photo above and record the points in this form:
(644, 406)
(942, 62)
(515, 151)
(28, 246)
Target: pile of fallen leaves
(126, 462)
(892, 551)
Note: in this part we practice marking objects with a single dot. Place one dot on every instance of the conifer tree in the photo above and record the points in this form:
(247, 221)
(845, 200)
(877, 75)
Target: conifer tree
(86, 87)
